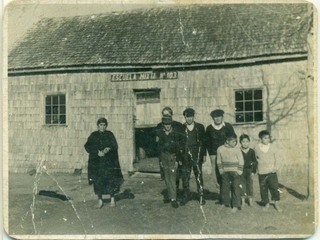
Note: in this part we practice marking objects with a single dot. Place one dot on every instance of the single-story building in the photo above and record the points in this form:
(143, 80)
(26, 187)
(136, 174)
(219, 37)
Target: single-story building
(247, 59)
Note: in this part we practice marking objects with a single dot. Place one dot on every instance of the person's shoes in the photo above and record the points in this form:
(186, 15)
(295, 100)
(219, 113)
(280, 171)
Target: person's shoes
(174, 204)
(100, 203)
(266, 207)
(250, 202)
(184, 201)
(202, 201)
(185, 197)
(112, 203)
(276, 206)
(227, 205)
(234, 210)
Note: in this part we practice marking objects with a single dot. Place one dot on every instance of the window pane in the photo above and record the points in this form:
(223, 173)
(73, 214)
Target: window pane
(258, 116)
(55, 100)
(48, 100)
(148, 96)
(258, 105)
(239, 95)
(55, 109)
(248, 95)
(248, 106)
(151, 95)
(48, 110)
(62, 119)
(239, 117)
(62, 109)
(257, 94)
(48, 119)
(249, 117)
(239, 106)
(55, 119)
(62, 99)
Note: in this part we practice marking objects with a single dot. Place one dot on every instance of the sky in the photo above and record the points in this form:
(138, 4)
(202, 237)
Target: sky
(22, 17)
(23, 14)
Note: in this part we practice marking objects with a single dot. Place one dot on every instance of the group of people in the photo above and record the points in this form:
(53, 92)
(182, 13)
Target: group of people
(182, 148)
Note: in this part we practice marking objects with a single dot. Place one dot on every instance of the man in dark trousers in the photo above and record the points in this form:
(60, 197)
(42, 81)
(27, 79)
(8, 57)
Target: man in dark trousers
(194, 155)
(170, 144)
(167, 111)
(216, 134)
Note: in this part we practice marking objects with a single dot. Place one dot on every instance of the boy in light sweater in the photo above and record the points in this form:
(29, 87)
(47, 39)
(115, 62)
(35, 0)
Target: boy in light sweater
(267, 158)
(230, 164)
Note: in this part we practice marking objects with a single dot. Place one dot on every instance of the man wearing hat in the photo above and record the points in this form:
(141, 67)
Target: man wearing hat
(167, 111)
(216, 134)
(194, 154)
(170, 144)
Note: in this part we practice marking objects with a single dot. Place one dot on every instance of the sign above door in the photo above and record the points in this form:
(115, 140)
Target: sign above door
(143, 76)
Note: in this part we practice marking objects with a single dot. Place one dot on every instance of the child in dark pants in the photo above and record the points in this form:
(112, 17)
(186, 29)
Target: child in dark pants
(230, 165)
(249, 169)
(267, 158)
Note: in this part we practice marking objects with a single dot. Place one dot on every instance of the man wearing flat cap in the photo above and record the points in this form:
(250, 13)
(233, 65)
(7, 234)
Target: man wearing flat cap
(167, 111)
(216, 134)
(194, 155)
(170, 144)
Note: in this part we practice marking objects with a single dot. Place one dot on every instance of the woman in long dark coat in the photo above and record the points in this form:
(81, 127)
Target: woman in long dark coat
(104, 170)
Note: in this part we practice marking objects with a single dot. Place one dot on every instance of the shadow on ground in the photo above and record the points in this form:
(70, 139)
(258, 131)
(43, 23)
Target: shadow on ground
(293, 192)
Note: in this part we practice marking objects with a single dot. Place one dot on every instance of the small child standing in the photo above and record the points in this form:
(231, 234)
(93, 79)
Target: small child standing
(249, 168)
(230, 165)
(267, 158)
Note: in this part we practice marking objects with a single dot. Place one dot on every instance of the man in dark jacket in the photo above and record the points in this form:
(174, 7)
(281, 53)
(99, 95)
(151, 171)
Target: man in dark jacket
(194, 154)
(215, 137)
(167, 111)
(170, 144)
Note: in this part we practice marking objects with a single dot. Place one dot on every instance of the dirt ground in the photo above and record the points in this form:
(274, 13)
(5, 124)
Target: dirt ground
(33, 214)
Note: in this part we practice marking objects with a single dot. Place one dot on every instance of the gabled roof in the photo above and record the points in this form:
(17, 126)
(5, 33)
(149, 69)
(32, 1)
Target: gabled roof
(165, 36)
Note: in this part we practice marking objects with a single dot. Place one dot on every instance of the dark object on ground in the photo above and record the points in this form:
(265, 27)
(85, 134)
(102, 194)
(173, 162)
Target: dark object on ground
(54, 195)
(32, 172)
(166, 200)
(77, 171)
(174, 204)
(126, 194)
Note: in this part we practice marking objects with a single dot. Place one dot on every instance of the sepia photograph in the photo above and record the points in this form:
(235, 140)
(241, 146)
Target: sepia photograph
(160, 119)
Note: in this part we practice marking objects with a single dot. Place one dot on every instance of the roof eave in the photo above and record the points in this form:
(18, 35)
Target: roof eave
(150, 67)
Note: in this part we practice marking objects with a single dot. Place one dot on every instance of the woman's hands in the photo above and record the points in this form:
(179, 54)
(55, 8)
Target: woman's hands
(103, 152)
(106, 150)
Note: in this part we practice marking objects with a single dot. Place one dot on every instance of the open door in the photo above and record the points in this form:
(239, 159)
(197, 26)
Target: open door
(147, 116)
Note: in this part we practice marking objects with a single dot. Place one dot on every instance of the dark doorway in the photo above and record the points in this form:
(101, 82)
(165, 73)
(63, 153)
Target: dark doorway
(145, 142)
(146, 150)
(146, 117)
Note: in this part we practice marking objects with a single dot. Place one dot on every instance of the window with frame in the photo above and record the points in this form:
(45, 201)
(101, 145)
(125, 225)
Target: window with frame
(56, 109)
(248, 105)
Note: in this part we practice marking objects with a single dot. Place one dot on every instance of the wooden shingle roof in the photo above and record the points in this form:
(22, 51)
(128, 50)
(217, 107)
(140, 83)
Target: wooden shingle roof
(165, 36)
